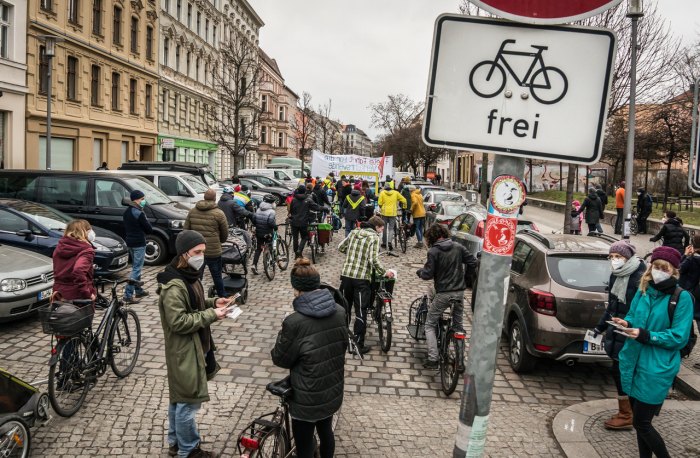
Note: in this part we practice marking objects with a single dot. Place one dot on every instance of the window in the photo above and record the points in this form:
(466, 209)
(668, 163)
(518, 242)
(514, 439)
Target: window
(43, 70)
(177, 108)
(179, 9)
(73, 8)
(199, 23)
(521, 254)
(133, 87)
(166, 51)
(72, 79)
(115, 90)
(4, 30)
(206, 72)
(187, 111)
(213, 35)
(110, 193)
(188, 59)
(166, 5)
(172, 186)
(47, 5)
(149, 100)
(177, 58)
(241, 127)
(244, 86)
(263, 104)
(280, 140)
(206, 30)
(149, 43)
(97, 17)
(61, 154)
(263, 135)
(117, 26)
(134, 35)
(96, 153)
(196, 113)
(581, 273)
(164, 105)
(125, 154)
(95, 71)
(189, 15)
(281, 114)
(196, 69)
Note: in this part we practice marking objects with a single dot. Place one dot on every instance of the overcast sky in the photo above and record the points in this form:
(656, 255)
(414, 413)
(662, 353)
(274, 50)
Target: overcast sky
(356, 53)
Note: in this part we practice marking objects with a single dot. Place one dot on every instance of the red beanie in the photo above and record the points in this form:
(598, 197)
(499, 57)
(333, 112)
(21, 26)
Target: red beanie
(666, 253)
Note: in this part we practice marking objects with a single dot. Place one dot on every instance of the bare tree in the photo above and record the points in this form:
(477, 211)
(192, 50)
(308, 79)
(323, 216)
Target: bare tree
(328, 137)
(303, 127)
(397, 113)
(234, 122)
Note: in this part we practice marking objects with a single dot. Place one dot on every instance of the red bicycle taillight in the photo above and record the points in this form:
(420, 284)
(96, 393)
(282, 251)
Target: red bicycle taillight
(542, 302)
(460, 335)
(53, 351)
(386, 301)
(249, 442)
(480, 230)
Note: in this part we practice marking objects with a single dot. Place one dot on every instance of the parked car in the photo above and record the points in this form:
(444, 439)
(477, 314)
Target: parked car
(202, 171)
(468, 228)
(38, 228)
(558, 288)
(283, 176)
(180, 187)
(446, 211)
(100, 198)
(268, 182)
(26, 282)
(433, 197)
(280, 192)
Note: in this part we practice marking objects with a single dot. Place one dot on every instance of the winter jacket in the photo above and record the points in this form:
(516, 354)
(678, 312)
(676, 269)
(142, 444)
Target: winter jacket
(72, 269)
(593, 208)
(417, 207)
(445, 266)
(300, 210)
(182, 322)
(617, 309)
(620, 198)
(673, 235)
(361, 248)
(136, 226)
(690, 273)
(320, 196)
(234, 212)
(602, 196)
(406, 194)
(344, 189)
(388, 202)
(576, 217)
(644, 204)
(208, 219)
(265, 220)
(312, 345)
(649, 364)
(353, 206)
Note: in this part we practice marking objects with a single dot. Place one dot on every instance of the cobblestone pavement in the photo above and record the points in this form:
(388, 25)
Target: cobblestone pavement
(391, 403)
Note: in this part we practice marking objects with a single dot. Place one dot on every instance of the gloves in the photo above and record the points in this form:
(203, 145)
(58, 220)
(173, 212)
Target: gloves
(652, 239)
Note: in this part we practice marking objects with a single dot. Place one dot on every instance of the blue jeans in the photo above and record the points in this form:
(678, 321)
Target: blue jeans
(137, 257)
(182, 427)
(215, 268)
(419, 228)
(349, 226)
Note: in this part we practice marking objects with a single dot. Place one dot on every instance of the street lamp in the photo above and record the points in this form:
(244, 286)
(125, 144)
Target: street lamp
(49, 51)
(635, 11)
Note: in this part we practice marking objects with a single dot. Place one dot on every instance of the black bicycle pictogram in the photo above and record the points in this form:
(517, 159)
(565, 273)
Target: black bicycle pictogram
(547, 84)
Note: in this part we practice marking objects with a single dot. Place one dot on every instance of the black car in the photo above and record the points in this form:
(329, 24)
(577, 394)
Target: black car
(36, 227)
(280, 192)
(100, 198)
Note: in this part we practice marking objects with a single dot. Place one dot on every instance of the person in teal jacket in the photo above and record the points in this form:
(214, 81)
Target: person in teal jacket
(650, 358)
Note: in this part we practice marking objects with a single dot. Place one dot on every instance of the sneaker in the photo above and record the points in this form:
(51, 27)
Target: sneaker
(131, 300)
(364, 349)
(431, 365)
(391, 247)
(199, 453)
(418, 245)
(141, 294)
(172, 450)
(254, 269)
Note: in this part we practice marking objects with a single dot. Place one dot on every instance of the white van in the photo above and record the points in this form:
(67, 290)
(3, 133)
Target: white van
(287, 168)
(283, 175)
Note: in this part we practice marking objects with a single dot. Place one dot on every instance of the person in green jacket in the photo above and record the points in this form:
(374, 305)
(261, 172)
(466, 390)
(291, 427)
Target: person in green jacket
(186, 316)
(650, 357)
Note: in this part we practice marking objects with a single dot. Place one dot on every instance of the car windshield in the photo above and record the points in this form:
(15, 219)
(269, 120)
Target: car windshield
(583, 273)
(440, 196)
(210, 179)
(454, 210)
(197, 184)
(42, 215)
(153, 195)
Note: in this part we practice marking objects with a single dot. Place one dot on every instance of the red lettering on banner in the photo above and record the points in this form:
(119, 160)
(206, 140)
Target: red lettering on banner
(499, 235)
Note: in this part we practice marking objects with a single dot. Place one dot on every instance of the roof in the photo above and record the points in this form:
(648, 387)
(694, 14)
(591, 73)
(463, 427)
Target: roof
(568, 243)
(272, 63)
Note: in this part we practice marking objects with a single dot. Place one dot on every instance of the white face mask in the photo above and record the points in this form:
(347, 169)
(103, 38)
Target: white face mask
(196, 262)
(659, 275)
(617, 263)
(91, 235)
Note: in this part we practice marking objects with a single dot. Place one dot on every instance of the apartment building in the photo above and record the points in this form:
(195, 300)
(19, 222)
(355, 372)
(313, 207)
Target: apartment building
(356, 141)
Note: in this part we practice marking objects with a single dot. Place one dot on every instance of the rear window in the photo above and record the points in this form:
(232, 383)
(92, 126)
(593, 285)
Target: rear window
(585, 274)
(454, 210)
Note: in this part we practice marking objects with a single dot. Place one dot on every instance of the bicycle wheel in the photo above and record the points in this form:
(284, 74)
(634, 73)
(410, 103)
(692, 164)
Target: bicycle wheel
(548, 85)
(314, 249)
(282, 254)
(274, 445)
(487, 79)
(15, 439)
(402, 239)
(269, 264)
(68, 384)
(124, 342)
(383, 319)
(449, 375)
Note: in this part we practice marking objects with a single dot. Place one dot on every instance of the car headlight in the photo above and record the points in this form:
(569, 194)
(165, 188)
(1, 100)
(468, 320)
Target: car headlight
(177, 224)
(12, 284)
(101, 248)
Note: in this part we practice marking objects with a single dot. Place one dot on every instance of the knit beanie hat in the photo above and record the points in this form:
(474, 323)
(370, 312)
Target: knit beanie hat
(666, 253)
(624, 248)
(136, 195)
(186, 240)
(210, 194)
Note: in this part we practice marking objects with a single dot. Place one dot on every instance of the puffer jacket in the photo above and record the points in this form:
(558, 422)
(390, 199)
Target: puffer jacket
(417, 207)
(649, 363)
(136, 226)
(300, 210)
(354, 205)
(72, 269)
(673, 235)
(235, 213)
(445, 266)
(388, 202)
(593, 208)
(405, 193)
(312, 345)
(208, 219)
(690, 272)
(264, 220)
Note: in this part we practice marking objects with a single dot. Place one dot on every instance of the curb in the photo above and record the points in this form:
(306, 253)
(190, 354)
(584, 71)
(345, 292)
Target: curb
(688, 381)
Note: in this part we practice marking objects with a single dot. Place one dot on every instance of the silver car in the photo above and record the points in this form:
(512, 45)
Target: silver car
(26, 282)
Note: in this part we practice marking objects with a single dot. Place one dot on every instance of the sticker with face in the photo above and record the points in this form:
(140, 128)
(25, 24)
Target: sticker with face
(508, 194)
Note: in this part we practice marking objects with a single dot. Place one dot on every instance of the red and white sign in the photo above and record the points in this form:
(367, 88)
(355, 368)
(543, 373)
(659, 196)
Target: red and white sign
(545, 11)
(499, 235)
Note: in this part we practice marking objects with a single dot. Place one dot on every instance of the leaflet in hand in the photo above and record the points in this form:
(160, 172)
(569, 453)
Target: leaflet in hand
(234, 312)
(617, 325)
(589, 337)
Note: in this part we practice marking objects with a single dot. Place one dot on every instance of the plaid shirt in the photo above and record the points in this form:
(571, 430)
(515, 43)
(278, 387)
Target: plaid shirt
(362, 254)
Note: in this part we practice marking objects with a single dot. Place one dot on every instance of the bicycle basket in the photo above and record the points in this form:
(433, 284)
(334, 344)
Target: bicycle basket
(417, 314)
(65, 319)
(324, 236)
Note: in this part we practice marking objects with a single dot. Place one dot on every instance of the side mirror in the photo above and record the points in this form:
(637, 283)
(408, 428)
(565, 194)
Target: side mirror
(26, 233)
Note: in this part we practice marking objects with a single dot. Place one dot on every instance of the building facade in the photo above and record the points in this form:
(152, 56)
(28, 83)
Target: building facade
(104, 83)
(356, 141)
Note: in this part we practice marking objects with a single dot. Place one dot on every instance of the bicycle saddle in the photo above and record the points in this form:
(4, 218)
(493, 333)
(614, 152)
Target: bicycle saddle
(281, 388)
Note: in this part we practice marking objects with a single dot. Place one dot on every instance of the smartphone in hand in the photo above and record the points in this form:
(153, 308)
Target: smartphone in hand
(616, 325)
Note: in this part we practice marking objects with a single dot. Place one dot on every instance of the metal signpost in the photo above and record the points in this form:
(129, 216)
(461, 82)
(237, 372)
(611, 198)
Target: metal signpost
(524, 91)
(693, 168)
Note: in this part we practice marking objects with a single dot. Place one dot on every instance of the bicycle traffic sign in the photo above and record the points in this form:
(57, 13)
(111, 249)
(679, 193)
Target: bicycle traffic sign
(524, 90)
(545, 11)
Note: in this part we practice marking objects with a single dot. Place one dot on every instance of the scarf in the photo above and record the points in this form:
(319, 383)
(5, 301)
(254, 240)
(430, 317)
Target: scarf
(622, 278)
(195, 291)
(667, 286)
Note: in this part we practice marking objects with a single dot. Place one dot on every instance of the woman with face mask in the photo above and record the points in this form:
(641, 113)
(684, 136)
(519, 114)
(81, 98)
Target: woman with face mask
(626, 272)
(73, 262)
(186, 315)
(650, 358)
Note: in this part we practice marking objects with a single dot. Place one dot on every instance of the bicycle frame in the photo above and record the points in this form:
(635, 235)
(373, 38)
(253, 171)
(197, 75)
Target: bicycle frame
(278, 419)
(537, 58)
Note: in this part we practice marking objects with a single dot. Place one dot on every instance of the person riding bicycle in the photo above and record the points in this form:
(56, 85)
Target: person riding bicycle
(353, 207)
(388, 203)
(312, 345)
(236, 214)
(672, 233)
(186, 316)
(361, 248)
(446, 267)
(73, 261)
(265, 224)
(320, 196)
(406, 193)
(300, 216)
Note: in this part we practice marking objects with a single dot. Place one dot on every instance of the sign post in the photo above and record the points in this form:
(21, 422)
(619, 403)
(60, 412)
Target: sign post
(693, 169)
(525, 91)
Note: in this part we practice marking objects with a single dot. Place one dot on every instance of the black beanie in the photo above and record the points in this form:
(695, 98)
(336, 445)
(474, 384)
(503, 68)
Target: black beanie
(186, 240)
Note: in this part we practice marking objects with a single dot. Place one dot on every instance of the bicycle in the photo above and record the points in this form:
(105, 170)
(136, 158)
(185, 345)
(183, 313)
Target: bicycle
(275, 253)
(78, 360)
(313, 241)
(634, 226)
(531, 79)
(401, 234)
(381, 311)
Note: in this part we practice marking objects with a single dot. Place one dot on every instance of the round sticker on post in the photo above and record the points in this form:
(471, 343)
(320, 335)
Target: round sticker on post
(499, 235)
(507, 195)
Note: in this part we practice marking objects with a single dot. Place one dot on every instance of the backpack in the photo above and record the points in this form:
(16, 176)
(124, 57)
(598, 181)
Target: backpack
(692, 338)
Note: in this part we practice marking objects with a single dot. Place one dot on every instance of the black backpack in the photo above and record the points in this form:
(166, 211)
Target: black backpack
(693, 338)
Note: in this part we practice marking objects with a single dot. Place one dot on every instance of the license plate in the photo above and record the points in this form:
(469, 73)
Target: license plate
(45, 294)
(593, 349)
(123, 260)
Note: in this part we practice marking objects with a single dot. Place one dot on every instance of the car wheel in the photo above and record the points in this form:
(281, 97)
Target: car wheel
(520, 360)
(156, 250)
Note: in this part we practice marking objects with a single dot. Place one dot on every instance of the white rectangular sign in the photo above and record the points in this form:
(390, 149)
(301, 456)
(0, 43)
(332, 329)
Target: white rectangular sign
(519, 89)
(323, 164)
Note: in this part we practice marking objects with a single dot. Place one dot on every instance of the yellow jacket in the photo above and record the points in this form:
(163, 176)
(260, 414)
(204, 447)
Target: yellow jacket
(388, 201)
(417, 207)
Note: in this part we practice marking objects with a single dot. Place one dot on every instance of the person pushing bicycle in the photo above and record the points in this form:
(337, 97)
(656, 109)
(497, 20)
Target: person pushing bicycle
(446, 267)
(265, 223)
